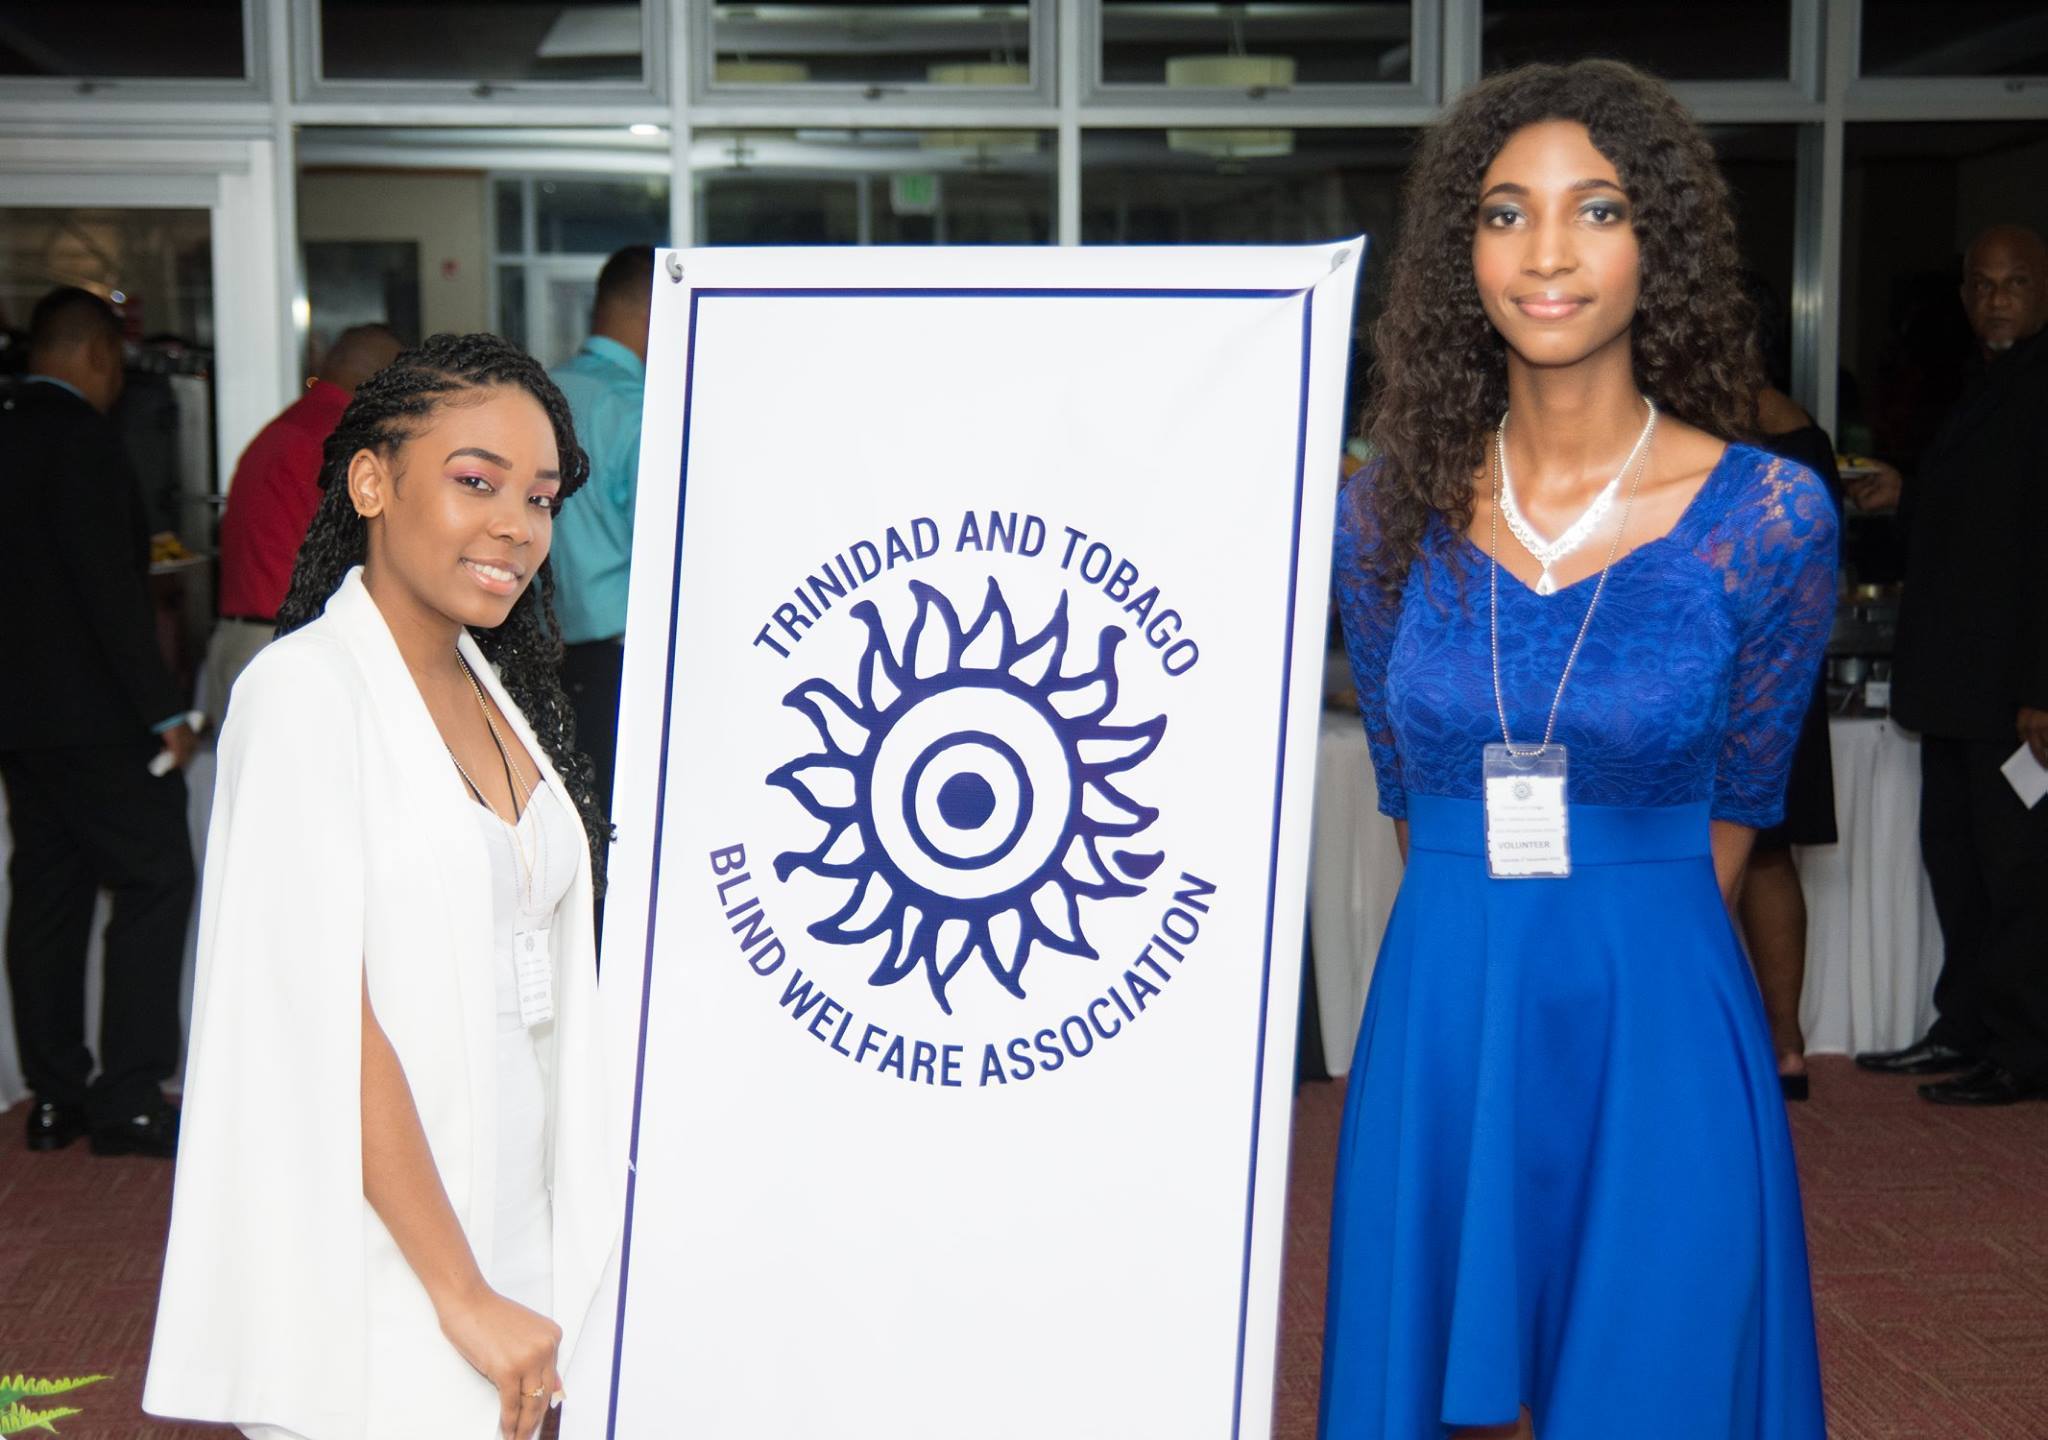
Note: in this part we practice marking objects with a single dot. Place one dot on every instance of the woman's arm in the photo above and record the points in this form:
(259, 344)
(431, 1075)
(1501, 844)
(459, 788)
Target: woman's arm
(508, 1344)
(1731, 845)
(1401, 838)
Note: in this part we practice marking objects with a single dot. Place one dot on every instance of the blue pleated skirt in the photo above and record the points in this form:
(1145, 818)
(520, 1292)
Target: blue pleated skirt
(1565, 1179)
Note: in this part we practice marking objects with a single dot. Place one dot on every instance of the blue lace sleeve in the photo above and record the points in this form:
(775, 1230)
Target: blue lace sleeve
(1780, 548)
(1368, 617)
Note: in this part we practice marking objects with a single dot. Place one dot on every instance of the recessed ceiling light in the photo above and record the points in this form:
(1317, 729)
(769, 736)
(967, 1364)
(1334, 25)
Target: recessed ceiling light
(643, 129)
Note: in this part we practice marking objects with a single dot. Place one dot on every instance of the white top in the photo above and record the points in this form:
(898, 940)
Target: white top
(344, 854)
(533, 864)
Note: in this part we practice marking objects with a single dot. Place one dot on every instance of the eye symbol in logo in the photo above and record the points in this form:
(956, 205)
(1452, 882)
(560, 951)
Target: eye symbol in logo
(1523, 790)
(966, 791)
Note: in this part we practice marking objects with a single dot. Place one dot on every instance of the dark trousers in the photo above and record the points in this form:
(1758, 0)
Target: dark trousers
(590, 675)
(1987, 859)
(88, 819)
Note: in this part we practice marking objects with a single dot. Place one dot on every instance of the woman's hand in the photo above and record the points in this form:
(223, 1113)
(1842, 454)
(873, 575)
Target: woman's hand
(515, 1350)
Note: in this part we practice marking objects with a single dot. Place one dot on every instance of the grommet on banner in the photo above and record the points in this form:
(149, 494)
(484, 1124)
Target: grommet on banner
(1337, 260)
(675, 267)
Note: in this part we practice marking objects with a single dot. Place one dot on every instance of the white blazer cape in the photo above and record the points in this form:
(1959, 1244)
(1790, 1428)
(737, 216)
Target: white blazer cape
(342, 847)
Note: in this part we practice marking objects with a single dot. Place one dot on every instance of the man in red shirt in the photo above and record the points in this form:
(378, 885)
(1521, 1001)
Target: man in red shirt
(271, 502)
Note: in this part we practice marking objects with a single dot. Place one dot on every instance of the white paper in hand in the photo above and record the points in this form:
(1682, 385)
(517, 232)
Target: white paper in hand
(2027, 776)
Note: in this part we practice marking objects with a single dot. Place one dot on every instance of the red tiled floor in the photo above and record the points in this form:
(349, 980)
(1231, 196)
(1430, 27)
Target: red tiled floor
(1929, 1234)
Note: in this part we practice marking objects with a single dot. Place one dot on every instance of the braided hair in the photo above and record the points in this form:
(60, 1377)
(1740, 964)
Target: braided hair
(526, 650)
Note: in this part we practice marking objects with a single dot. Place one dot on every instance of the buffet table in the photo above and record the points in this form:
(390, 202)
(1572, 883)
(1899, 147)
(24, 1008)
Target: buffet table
(1873, 947)
(1354, 873)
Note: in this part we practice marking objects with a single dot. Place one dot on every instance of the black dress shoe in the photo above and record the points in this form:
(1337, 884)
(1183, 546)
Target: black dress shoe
(52, 1126)
(1988, 1084)
(1928, 1057)
(153, 1133)
(1796, 1087)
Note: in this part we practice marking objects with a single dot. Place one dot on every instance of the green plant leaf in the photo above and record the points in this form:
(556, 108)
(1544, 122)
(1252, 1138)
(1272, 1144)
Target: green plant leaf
(18, 1419)
(19, 1387)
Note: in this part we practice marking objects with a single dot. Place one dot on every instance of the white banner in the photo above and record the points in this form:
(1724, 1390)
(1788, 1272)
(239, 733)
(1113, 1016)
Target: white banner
(964, 796)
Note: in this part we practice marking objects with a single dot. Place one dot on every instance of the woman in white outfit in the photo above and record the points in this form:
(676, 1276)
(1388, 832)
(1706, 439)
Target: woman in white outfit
(400, 1174)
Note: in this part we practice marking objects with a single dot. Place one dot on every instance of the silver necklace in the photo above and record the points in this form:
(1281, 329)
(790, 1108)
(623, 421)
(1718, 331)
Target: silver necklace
(1639, 458)
(1547, 553)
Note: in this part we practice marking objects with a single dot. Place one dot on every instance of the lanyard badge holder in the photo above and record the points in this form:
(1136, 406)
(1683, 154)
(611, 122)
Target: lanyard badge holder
(1528, 832)
(1528, 823)
(533, 959)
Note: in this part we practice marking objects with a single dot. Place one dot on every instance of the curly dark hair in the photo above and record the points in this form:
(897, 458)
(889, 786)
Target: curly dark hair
(526, 650)
(1442, 379)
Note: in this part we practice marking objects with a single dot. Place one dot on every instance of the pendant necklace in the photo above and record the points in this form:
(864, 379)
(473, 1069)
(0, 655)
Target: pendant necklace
(1638, 461)
(1547, 553)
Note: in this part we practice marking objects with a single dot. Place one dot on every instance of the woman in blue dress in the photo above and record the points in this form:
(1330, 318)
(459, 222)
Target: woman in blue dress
(1566, 1202)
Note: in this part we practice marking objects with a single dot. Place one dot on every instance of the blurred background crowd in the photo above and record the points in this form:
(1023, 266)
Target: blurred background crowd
(271, 196)
(218, 217)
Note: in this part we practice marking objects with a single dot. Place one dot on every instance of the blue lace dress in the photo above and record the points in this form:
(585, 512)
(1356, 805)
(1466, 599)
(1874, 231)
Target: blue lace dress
(1565, 1179)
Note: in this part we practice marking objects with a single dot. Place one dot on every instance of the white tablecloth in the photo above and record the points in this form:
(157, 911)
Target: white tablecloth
(199, 779)
(1873, 947)
(1354, 873)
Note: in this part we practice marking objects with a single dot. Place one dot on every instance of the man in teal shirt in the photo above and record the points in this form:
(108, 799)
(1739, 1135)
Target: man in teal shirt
(593, 546)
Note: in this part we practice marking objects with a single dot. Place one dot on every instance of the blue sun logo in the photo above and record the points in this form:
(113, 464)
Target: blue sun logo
(966, 792)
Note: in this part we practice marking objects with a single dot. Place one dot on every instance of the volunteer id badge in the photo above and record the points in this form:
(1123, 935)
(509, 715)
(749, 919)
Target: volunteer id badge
(534, 967)
(1526, 832)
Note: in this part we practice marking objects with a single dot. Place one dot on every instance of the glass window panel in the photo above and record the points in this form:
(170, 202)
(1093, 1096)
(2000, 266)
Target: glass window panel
(1302, 44)
(508, 204)
(124, 40)
(1252, 187)
(566, 298)
(1677, 39)
(481, 40)
(512, 303)
(853, 187)
(872, 44)
(156, 268)
(1914, 196)
(596, 217)
(1761, 166)
(742, 208)
(1230, 186)
(1967, 37)
(361, 282)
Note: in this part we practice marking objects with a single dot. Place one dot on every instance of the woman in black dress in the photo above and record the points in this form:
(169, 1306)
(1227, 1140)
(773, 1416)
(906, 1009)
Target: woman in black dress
(1772, 907)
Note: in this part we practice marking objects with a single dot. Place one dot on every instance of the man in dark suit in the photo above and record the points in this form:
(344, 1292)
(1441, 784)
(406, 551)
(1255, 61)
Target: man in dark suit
(90, 705)
(1970, 674)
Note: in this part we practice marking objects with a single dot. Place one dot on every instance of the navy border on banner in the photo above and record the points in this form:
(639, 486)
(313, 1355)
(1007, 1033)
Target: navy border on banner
(1306, 295)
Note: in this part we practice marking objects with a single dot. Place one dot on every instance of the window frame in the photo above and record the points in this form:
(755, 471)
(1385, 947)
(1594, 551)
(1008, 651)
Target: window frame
(282, 91)
(1938, 97)
(1363, 105)
(881, 104)
(168, 96)
(1763, 98)
(486, 102)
